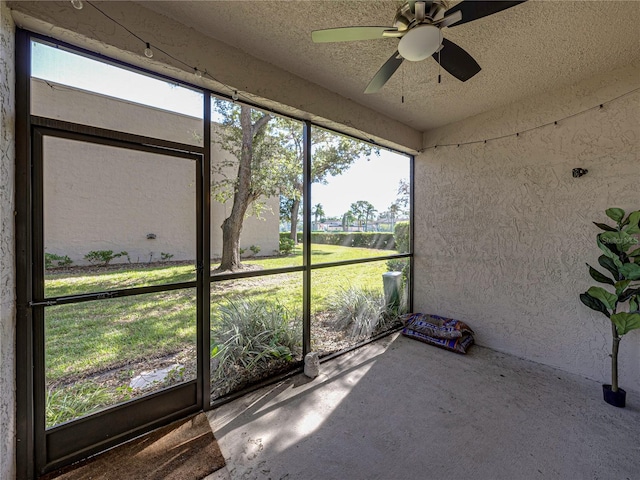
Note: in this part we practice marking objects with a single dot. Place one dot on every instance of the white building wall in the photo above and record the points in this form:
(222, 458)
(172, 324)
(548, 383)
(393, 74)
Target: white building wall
(7, 239)
(503, 230)
(106, 198)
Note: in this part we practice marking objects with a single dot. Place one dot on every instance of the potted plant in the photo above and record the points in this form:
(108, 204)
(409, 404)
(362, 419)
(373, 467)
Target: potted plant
(621, 258)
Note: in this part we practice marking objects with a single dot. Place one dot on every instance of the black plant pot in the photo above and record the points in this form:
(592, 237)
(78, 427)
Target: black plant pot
(617, 399)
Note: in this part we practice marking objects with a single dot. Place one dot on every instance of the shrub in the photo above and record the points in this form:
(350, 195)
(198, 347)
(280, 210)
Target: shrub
(288, 235)
(255, 249)
(166, 256)
(102, 257)
(362, 312)
(382, 241)
(401, 236)
(286, 245)
(400, 265)
(52, 260)
(251, 332)
(402, 240)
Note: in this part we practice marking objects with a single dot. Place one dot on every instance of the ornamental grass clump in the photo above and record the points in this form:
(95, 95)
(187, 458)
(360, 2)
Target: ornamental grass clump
(66, 403)
(621, 258)
(361, 312)
(248, 333)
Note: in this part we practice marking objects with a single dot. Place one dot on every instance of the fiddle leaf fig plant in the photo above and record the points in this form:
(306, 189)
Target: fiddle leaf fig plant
(621, 259)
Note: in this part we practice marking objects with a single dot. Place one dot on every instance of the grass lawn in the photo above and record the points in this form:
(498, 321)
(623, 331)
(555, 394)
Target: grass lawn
(60, 284)
(86, 339)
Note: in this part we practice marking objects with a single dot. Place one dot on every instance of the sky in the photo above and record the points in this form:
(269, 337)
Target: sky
(374, 179)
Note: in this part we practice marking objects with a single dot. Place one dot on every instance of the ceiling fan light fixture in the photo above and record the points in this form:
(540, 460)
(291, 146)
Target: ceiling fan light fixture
(420, 42)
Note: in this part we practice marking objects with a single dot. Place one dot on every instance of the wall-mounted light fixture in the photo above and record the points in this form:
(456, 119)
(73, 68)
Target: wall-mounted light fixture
(151, 236)
(578, 172)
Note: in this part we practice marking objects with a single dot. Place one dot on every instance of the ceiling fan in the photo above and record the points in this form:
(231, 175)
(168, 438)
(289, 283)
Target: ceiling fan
(418, 25)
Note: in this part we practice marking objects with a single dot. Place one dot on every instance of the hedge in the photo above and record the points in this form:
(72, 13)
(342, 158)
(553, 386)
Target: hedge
(401, 235)
(381, 241)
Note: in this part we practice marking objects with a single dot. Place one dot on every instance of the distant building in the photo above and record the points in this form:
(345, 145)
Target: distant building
(99, 197)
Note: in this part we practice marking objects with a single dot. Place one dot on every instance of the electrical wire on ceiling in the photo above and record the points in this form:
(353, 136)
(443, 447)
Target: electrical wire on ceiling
(149, 50)
(235, 95)
(518, 133)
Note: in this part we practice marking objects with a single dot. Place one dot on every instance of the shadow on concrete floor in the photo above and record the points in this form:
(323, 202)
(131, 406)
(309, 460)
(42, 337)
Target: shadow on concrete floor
(399, 409)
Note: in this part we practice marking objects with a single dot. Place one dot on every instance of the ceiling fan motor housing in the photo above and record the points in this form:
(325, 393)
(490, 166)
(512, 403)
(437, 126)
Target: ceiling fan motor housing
(405, 17)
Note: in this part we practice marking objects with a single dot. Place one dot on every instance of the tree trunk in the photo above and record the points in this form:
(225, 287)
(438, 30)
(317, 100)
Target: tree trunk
(295, 208)
(231, 229)
(242, 198)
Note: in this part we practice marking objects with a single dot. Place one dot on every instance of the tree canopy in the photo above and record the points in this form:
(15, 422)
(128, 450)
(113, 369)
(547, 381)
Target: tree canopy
(261, 151)
(332, 154)
(267, 160)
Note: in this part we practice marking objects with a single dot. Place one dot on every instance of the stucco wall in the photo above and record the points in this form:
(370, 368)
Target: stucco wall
(7, 264)
(106, 198)
(503, 230)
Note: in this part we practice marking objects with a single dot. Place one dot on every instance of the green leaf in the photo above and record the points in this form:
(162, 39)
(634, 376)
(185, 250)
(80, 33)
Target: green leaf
(599, 277)
(607, 298)
(625, 322)
(594, 303)
(620, 286)
(630, 271)
(634, 223)
(628, 294)
(215, 351)
(620, 240)
(605, 249)
(633, 303)
(607, 263)
(615, 214)
(634, 253)
(605, 227)
(608, 252)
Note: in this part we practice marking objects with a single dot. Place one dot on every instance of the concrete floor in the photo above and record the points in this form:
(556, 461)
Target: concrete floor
(399, 409)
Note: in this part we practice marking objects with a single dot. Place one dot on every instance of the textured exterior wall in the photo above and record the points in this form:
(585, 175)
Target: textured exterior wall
(7, 263)
(105, 198)
(503, 230)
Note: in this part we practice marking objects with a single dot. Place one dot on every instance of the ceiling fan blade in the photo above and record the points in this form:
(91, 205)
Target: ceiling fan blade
(349, 34)
(384, 74)
(473, 10)
(457, 61)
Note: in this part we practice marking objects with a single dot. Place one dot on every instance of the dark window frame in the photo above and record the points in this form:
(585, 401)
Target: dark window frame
(31, 301)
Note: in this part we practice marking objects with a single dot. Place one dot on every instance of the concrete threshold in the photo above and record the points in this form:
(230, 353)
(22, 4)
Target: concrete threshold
(399, 409)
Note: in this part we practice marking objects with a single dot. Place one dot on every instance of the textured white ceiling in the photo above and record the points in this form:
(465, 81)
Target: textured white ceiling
(525, 50)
